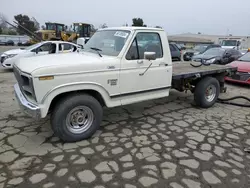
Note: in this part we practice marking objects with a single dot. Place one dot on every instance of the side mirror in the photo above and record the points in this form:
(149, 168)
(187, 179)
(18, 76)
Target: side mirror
(81, 42)
(150, 55)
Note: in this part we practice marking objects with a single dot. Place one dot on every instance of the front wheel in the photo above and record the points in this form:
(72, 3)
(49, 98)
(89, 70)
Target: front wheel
(207, 92)
(76, 117)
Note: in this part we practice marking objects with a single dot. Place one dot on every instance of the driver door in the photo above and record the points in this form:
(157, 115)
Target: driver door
(141, 79)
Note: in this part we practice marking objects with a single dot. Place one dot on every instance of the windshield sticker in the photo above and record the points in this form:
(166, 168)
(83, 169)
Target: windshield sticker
(121, 34)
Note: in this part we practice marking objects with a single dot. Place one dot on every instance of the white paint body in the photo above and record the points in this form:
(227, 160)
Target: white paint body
(30, 51)
(89, 71)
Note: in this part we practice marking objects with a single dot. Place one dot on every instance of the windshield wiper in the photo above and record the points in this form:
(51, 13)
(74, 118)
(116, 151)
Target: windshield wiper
(97, 50)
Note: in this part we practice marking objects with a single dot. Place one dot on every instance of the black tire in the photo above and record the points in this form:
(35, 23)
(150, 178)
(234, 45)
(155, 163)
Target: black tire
(63, 108)
(200, 92)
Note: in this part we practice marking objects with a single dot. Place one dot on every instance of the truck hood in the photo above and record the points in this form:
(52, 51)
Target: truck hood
(59, 63)
(13, 51)
(243, 66)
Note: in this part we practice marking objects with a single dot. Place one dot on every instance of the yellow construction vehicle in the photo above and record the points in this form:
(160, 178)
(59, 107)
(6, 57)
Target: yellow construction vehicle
(53, 31)
(81, 30)
(57, 31)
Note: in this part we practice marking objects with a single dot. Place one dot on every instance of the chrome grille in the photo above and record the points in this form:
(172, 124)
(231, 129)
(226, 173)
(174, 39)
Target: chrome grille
(18, 77)
(24, 82)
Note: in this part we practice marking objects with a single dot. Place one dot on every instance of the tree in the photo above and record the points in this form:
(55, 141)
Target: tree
(26, 22)
(12, 32)
(1, 30)
(3, 20)
(138, 22)
(36, 23)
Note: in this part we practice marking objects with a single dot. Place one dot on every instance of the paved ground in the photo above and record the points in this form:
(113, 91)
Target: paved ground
(5, 48)
(163, 143)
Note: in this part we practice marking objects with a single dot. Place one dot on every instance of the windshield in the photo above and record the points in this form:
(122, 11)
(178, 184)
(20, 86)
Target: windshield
(109, 42)
(214, 52)
(200, 48)
(229, 43)
(32, 46)
(245, 57)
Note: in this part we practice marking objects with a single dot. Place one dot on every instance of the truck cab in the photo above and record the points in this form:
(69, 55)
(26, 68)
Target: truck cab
(231, 43)
(118, 66)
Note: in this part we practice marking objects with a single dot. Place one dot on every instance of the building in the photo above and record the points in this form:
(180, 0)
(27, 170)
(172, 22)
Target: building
(191, 39)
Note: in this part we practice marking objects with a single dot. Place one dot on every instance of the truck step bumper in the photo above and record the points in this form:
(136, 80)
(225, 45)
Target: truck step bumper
(27, 107)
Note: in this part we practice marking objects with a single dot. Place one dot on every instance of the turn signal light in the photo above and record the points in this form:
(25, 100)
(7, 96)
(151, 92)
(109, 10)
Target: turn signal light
(46, 78)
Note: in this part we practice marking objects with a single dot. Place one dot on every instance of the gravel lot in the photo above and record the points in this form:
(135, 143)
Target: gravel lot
(165, 143)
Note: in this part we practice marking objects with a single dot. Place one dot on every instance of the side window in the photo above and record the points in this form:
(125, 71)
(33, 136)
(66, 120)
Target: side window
(132, 53)
(145, 42)
(45, 48)
(67, 46)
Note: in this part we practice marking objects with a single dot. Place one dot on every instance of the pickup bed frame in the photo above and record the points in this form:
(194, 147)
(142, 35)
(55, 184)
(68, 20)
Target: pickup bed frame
(185, 76)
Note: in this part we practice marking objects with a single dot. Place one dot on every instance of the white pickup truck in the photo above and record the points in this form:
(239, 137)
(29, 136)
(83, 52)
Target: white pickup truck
(118, 66)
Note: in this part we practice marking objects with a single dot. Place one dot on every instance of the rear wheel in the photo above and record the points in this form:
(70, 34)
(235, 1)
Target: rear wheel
(76, 117)
(207, 92)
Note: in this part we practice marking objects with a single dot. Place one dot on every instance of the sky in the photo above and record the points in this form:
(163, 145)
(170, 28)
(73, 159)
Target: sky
(175, 16)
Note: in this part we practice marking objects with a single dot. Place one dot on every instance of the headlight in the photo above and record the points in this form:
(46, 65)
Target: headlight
(210, 61)
(10, 56)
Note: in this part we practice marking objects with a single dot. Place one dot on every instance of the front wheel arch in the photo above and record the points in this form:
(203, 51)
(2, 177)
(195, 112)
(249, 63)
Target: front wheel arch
(61, 96)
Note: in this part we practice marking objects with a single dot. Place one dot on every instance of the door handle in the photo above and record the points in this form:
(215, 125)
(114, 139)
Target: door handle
(140, 61)
(163, 64)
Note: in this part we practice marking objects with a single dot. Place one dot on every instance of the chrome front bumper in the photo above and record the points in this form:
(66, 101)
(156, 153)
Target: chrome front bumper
(27, 107)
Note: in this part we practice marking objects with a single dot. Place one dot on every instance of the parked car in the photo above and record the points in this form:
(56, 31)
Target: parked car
(199, 49)
(48, 47)
(23, 43)
(243, 73)
(218, 56)
(10, 43)
(175, 52)
(180, 46)
(7, 43)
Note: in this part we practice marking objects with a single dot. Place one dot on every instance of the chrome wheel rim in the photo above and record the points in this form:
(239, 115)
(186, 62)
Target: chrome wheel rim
(79, 119)
(210, 93)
